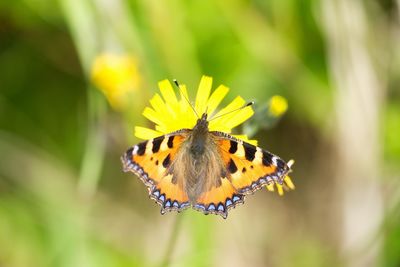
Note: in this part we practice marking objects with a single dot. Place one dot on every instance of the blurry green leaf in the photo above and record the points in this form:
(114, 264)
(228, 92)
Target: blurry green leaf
(391, 124)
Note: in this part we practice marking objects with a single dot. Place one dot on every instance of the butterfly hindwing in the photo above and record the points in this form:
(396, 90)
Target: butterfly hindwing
(249, 167)
(219, 198)
(151, 161)
(169, 194)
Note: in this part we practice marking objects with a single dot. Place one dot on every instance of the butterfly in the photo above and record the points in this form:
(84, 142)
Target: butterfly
(210, 171)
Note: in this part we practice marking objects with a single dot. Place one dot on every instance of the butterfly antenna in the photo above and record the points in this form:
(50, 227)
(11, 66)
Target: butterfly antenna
(187, 100)
(242, 107)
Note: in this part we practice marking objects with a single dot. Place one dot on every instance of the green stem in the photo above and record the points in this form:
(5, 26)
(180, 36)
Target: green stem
(172, 241)
(91, 164)
(93, 158)
(81, 20)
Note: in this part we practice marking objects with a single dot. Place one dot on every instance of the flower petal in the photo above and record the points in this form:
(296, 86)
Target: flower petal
(270, 187)
(170, 113)
(146, 133)
(235, 104)
(218, 124)
(158, 104)
(184, 102)
(280, 189)
(239, 117)
(245, 138)
(216, 98)
(288, 182)
(202, 94)
(152, 115)
(168, 92)
(163, 129)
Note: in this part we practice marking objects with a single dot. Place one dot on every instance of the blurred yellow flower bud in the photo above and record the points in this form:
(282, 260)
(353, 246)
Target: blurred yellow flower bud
(116, 76)
(277, 106)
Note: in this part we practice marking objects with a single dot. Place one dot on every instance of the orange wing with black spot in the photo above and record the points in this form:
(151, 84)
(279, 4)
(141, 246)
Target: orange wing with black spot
(150, 161)
(249, 167)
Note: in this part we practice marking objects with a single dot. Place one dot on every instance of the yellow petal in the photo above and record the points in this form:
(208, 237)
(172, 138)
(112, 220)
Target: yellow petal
(158, 104)
(184, 98)
(168, 92)
(183, 92)
(288, 182)
(253, 142)
(152, 115)
(202, 94)
(163, 129)
(146, 133)
(280, 189)
(187, 110)
(216, 98)
(270, 187)
(241, 137)
(170, 113)
(246, 139)
(239, 117)
(218, 124)
(235, 104)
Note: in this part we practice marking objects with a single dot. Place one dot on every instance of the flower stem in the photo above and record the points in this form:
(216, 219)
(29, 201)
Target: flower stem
(93, 158)
(172, 241)
(92, 164)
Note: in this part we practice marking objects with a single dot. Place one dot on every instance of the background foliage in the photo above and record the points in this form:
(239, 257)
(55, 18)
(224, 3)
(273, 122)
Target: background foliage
(64, 200)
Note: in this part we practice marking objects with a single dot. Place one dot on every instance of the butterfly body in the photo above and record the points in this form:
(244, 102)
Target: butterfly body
(199, 137)
(208, 170)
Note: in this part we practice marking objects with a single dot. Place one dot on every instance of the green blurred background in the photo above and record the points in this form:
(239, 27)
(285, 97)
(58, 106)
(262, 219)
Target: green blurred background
(64, 200)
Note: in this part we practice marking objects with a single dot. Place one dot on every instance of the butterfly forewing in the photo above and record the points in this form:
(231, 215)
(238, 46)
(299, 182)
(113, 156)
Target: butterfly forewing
(249, 167)
(151, 161)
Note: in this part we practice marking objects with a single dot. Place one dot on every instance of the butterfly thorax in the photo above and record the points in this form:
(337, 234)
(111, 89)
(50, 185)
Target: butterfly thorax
(199, 137)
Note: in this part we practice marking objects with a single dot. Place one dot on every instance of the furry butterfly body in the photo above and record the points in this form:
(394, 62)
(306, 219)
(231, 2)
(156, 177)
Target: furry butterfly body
(209, 171)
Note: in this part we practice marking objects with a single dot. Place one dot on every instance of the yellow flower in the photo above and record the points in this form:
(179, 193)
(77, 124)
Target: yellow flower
(171, 114)
(277, 106)
(116, 76)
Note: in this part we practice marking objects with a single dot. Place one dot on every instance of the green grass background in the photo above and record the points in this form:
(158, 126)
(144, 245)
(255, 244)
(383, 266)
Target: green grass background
(64, 200)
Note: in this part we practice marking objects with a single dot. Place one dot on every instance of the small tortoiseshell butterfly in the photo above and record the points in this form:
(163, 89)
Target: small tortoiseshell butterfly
(210, 171)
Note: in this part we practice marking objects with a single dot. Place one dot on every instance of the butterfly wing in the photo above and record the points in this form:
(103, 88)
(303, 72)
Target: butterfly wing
(151, 161)
(245, 169)
(219, 199)
(249, 167)
(236, 169)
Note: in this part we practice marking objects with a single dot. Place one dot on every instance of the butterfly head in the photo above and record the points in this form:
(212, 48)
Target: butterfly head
(203, 119)
(201, 124)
